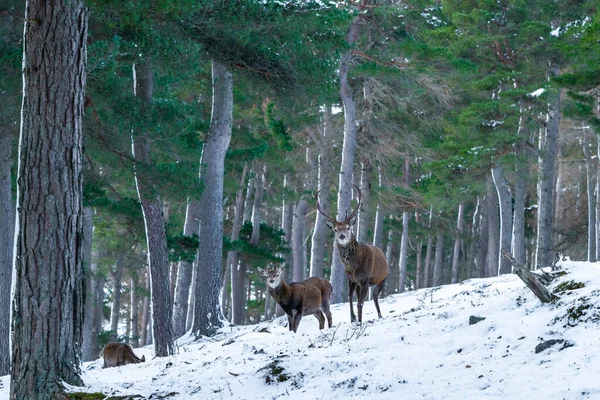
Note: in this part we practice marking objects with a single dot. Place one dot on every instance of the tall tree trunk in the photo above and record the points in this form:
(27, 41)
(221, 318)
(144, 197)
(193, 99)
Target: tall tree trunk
(191, 227)
(483, 241)
(427, 271)
(233, 257)
(460, 225)
(362, 225)
(403, 259)
(89, 346)
(155, 226)
(207, 312)
(419, 264)
(48, 298)
(505, 212)
(134, 314)
(7, 237)
(348, 150)
(493, 240)
(546, 181)
(144, 337)
(324, 144)
(378, 230)
(438, 263)
(591, 197)
(298, 239)
(115, 309)
(473, 245)
(287, 224)
(522, 172)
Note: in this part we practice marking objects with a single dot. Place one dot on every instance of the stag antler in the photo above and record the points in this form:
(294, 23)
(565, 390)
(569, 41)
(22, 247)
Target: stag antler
(348, 218)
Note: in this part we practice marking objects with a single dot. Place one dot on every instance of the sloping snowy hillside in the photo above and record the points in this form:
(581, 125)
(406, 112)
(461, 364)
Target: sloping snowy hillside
(423, 348)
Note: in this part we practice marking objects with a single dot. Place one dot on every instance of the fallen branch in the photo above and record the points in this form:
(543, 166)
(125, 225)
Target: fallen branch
(535, 282)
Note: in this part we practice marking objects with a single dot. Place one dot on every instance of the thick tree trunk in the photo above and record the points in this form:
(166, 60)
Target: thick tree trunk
(505, 208)
(460, 225)
(7, 237)
(48, 298)
(191, 227)
(207, 309)
(155, 226)
(546, 181)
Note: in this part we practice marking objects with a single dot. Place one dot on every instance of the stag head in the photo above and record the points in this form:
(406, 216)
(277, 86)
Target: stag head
(342, 229)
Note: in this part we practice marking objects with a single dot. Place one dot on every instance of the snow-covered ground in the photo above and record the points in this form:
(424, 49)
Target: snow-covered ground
(423, 348)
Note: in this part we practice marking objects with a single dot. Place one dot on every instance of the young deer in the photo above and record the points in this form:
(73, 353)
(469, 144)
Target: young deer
(302, 298)
(117, 354)
(364, 264)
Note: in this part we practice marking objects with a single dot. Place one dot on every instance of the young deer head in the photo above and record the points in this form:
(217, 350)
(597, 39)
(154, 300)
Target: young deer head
(364, 264)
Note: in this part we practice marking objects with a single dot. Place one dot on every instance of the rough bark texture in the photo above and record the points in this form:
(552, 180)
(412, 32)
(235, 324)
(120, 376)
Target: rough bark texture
(546, 182)
(48, 301)
(156, 234)
(7, 237)
(207, 313)
(184, 272)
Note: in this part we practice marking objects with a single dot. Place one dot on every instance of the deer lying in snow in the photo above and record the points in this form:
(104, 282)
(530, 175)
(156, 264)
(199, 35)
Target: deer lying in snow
(117, 354)
(364, 264)
(300, 298)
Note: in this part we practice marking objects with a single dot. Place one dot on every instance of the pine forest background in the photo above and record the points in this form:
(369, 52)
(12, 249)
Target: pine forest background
(470, 127)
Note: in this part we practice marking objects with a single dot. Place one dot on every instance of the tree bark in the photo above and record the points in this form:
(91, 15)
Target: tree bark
(191, 227)
(378, 230)
(7, 237)
(403, 259)
(134, 316)
(546, 181)
(362, 225)
(48, 298)
(89, 346)
(155, 226)
(207, 309)
(438, 263)
(234, 256)
(493, 232)
(115, 309)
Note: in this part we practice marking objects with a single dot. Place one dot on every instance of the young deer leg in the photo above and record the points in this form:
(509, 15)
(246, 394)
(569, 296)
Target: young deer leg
(352, 287)
(297, 318)
(376, 292)
(327, 312)
(290, 321)
(319, 315)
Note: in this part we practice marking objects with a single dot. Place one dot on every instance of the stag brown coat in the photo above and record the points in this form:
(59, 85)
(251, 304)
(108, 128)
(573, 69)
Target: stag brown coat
(364, 264)
(117, 354)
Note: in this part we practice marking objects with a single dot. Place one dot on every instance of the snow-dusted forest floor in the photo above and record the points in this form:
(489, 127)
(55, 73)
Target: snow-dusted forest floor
(423, 348)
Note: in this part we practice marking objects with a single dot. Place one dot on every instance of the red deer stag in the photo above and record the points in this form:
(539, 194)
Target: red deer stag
(302, 298)
(117, 354)
(364, 264)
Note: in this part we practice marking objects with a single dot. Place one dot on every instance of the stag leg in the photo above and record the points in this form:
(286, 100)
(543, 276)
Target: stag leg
(376, 292)
(290, 321)
(352, 287)
(361, 293)
(319, 315)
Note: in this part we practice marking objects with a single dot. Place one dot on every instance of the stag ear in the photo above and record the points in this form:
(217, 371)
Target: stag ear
(262, 271)
(280, 270)
(330, 224)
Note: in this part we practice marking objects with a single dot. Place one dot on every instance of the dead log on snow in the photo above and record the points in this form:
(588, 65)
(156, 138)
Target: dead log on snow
(534, 281)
